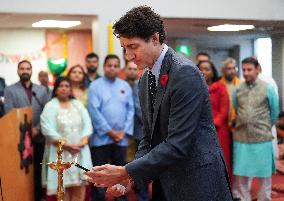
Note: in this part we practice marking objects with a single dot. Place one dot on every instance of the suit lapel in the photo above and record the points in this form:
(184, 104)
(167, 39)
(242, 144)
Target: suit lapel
(148, 102)
(146, 98)
(161, 89)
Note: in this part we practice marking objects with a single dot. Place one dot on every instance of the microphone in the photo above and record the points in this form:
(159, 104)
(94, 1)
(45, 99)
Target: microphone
(37, 100)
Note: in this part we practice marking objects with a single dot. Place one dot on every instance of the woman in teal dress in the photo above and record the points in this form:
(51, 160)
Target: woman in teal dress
(66, 118)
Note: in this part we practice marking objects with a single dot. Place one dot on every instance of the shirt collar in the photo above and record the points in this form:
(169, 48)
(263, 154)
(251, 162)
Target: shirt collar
(251, 85)
(109, 80)
(157, 65)
(29, 87)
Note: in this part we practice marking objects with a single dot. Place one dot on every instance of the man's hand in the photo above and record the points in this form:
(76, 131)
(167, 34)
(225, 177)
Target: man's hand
(120, 189)
(117, 136)
(112, 134)
(107, 175)
(73, 149)
(120, 135)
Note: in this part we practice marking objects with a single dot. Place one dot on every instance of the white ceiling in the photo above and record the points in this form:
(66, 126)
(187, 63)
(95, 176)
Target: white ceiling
(196, 31)
(176, 28)
(17, 21)
(181, 26)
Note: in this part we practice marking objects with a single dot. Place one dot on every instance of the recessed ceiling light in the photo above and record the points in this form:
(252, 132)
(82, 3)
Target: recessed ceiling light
(230, 27)
(56, 24)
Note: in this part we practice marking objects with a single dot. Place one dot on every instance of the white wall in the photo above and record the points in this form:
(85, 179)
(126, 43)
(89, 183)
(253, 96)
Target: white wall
(188, 42)
(278, 64)
(246, 50)
(218, 55)
(263, 52)
(21, 41)
(111, 10)
(223, 9)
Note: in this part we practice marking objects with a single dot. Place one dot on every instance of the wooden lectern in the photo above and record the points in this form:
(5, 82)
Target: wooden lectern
(16, 180)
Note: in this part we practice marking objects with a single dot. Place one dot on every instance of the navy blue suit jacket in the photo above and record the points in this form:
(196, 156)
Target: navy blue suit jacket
(180, 146)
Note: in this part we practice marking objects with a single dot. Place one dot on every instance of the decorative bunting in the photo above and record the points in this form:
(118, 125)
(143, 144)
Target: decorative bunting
(16, 58)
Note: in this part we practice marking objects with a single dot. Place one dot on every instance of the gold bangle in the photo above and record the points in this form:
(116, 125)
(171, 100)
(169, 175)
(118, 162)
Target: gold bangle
(85, 142)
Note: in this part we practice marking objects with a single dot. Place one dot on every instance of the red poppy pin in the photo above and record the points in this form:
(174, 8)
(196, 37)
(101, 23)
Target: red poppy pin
(164, 80)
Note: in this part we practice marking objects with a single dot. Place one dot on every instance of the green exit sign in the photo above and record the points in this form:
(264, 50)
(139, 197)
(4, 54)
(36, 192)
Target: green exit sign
(184, 49)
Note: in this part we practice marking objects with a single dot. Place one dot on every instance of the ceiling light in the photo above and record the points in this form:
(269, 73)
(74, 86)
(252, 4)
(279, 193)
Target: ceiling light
(230, 27)
(56, 24)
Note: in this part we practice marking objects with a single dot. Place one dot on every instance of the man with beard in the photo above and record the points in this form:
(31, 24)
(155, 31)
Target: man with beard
(24, 93)
(92, 63)
(231, 81)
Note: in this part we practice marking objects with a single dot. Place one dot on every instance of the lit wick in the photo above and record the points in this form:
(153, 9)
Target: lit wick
(78, 165)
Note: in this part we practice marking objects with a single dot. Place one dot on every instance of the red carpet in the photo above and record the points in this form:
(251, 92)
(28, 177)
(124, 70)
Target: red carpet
(277, 188)
(277, 191)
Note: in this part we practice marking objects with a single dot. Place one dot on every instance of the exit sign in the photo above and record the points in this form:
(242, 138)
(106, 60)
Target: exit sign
(184, 49)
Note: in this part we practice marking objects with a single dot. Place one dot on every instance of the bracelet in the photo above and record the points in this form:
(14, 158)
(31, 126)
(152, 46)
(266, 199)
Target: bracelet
(85, 141)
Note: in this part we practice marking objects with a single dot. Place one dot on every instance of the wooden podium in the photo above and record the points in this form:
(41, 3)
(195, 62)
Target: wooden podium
(17, 184)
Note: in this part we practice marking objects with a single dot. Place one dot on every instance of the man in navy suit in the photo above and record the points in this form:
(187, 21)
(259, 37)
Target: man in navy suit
(179, 151)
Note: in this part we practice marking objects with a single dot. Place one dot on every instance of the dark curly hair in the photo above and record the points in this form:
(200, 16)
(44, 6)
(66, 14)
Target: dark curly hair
(215, 77)
(140, 22)
(57, 83)
(251, 60)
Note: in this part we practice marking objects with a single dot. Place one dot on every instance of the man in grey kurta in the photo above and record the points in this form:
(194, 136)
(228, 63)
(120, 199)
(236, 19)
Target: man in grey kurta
(257, 108)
